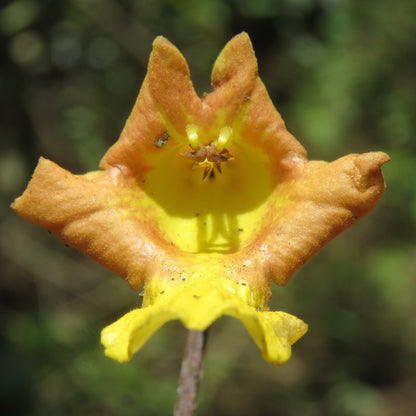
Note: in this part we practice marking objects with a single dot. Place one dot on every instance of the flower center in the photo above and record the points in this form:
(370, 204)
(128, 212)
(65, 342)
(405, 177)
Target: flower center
(211, 156)
(212, 212)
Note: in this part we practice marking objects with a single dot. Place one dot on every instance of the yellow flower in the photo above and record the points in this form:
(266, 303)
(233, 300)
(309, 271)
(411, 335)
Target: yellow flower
(205, 202)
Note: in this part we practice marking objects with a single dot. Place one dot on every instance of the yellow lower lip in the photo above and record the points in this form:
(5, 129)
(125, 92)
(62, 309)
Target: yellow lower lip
(198, 302)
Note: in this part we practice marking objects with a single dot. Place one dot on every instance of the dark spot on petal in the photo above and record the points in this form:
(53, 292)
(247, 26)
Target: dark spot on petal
(162, 140)
(196, 296)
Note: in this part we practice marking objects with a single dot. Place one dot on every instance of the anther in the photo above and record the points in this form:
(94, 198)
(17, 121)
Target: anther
(224, 138)
(192, 133)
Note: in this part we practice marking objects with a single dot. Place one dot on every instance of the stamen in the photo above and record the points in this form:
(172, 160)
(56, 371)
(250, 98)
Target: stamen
(208, 168)
(224, 139)
(209, 157)
(192, 133)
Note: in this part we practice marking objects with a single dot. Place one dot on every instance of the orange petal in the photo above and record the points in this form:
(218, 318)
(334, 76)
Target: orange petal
(238, 89)
(138, 140)
(96, 213)
(323, 201)
(171, 86)
(263, 127)
(233, 78)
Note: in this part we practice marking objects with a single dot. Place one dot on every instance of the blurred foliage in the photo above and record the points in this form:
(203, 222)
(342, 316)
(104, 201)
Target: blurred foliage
(342, 74)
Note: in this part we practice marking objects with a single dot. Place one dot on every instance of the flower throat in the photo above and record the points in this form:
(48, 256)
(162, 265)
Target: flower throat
(209, 157)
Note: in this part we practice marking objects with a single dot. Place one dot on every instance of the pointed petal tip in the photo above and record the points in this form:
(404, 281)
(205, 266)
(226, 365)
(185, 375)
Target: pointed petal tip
(297, 331)
(369, 164)
(160, 41)
(242, 38)
(237, 57)
(164, 50)
(16, 205)
(376, 159)
(170, 85)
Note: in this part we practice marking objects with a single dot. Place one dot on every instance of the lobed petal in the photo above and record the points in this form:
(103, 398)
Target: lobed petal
(100, 214)
(264, 128)
(323, 200)
(240, 93)
(133, 151)
(198, 303)
(171, 87)
(233, 78)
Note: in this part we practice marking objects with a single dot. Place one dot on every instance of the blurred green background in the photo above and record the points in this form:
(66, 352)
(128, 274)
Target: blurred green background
(342, 74)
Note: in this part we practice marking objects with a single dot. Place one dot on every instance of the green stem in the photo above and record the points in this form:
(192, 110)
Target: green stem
(190, 375)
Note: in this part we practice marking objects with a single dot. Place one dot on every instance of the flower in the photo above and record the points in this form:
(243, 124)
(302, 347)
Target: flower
(205, 202)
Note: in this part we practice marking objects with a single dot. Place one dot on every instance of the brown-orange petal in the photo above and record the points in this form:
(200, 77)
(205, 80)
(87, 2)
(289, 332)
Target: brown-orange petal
(264, 128)
(233, 77)
(171, 87)
(138, 139)
(98, 213)
(323, 200)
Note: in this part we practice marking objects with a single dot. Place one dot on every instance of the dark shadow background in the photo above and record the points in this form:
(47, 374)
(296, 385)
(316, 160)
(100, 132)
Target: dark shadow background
(342, 74)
